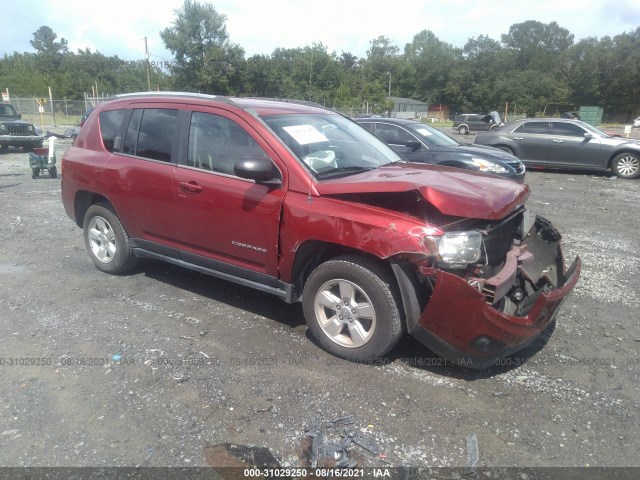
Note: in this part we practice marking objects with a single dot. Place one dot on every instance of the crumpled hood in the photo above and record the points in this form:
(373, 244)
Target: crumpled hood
(453, 191)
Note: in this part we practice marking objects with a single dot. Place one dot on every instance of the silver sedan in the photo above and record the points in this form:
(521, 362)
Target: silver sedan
(565, 144)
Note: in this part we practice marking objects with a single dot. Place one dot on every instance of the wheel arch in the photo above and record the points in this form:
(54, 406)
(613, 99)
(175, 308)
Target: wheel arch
(312, 253)
(82, 201)
(411, 295)
(620, 152)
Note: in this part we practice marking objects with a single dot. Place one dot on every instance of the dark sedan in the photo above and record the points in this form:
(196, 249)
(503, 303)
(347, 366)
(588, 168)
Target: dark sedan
(566, 144)
(421, 143)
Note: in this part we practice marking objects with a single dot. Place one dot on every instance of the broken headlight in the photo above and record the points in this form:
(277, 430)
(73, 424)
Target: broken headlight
(458, 249)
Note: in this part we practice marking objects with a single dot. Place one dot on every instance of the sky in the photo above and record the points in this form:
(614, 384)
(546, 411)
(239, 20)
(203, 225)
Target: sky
(118, 27)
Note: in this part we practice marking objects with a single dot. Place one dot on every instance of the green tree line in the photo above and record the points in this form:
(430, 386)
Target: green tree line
(535, 67)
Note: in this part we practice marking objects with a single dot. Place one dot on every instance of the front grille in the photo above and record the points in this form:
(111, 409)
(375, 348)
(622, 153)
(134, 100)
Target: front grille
(517, 166)
(17, 129)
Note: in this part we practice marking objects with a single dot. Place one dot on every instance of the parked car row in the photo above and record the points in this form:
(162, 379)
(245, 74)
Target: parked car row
(302, 202)
(566, 144)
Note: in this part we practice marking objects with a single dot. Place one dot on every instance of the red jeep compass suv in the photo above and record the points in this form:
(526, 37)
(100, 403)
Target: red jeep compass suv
(301, 202)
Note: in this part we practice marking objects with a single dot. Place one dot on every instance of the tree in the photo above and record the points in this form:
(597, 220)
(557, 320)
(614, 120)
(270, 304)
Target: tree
(434, 62)
(205, 60)
(44, 42)
(536, 45)
(49, 52)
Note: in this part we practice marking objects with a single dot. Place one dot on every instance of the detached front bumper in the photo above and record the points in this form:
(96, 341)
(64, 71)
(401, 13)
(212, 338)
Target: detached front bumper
(466, 323)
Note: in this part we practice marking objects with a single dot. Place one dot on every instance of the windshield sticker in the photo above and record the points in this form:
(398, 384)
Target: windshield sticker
(424, 131)
(305, 134)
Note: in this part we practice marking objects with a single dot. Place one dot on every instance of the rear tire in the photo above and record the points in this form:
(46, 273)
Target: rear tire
(53, 172)
(463, 129)
(626, 165)
(351, 309)
(107, 241)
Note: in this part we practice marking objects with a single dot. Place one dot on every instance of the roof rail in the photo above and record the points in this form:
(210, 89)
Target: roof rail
(308, 103)
(159, 93)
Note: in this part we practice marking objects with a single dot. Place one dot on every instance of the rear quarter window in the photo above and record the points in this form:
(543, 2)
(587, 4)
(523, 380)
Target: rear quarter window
(110, 122)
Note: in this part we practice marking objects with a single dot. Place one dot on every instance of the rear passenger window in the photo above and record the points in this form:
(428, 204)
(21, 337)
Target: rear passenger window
(110, 123)
(536, 127)
(151, 133)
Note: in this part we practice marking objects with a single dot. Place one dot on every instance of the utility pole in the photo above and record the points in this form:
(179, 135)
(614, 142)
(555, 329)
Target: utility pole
(146, 50)
(53, 115)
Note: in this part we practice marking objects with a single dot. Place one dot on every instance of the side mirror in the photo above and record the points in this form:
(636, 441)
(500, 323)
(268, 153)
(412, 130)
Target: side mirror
(19, 116)
(256, 168)
(413, 146)
(588, 136)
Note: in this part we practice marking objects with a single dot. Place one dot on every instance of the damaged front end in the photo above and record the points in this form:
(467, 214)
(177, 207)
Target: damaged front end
(490, 290)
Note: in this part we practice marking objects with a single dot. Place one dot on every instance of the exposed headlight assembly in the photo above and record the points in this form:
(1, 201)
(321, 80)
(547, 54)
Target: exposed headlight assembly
(458, 249)
(3, 127)
(488, 167)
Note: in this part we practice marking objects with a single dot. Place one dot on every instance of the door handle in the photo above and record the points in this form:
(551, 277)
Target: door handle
(191, 186)
(518, 138)
(557, 141)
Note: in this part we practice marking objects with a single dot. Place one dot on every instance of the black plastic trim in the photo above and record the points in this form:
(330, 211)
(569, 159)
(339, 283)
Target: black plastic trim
(224, 271)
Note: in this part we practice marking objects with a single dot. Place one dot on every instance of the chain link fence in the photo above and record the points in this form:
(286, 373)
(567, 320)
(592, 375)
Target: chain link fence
(68, 112)
(63, 112)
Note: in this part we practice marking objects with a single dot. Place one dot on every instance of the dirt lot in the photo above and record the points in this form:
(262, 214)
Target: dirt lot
(151, 368)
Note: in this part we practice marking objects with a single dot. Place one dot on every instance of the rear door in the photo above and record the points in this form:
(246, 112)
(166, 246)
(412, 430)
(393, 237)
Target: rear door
(225, 222)
(139, 175)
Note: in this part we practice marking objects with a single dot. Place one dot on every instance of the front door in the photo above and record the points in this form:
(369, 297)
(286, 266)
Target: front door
(223, 221)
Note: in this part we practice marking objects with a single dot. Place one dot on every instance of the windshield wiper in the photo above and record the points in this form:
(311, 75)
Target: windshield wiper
(346, 170)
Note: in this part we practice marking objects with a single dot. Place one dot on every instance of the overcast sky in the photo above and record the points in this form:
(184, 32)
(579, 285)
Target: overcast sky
(118, 27)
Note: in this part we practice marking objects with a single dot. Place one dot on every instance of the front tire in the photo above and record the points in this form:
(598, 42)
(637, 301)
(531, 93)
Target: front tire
(106, 240)
(351, 309)
(626, 165)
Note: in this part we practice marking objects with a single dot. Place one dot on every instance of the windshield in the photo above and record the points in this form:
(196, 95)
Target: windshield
(330, 145)
(7, 110)
(433, 137)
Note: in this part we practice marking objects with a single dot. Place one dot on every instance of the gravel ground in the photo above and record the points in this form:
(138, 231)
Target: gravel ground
(151, 368)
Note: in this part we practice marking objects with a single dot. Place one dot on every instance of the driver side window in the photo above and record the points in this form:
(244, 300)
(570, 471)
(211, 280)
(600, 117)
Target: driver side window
(394, 135)
(216, 143)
